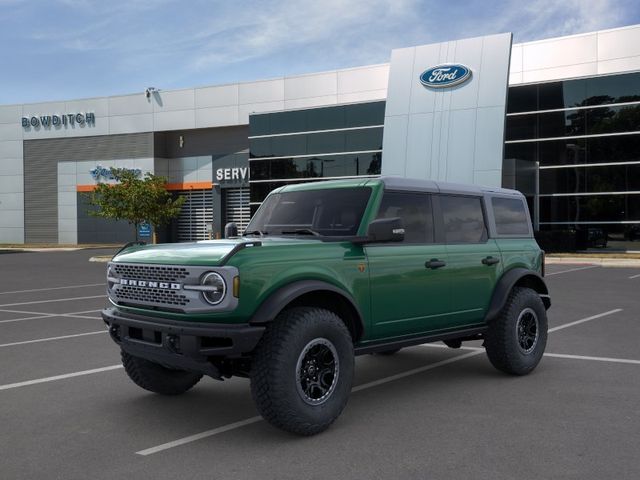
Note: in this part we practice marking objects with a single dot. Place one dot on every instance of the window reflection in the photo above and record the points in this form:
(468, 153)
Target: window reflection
(590, 208)
(614, 178)
(317, 167)
(327, 118)
(601, 90)
(463, 219)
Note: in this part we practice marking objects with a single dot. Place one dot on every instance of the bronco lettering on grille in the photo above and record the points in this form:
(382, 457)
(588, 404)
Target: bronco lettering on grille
(149, 284)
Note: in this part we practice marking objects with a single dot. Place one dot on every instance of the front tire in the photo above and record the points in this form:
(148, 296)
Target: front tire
(156, 378)
(302, 370)
(516, 339)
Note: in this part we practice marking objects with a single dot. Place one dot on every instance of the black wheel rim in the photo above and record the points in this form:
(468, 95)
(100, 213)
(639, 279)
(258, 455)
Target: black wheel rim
(527, 330)
(317, 371)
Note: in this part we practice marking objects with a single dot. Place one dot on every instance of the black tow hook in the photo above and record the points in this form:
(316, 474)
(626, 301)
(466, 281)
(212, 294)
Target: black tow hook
(114, 331)
(173, 343)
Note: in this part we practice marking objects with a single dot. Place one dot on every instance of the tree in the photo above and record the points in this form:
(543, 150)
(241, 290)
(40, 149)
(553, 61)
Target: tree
(136, 200)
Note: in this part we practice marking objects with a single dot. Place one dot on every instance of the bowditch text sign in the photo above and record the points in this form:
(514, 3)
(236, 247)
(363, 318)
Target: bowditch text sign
(59, 120)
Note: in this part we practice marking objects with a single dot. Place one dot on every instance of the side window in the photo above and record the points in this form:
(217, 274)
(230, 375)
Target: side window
(510, 215)
(463, 219)
(415, 211)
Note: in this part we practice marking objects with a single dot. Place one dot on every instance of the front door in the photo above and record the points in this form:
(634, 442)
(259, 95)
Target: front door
(410, 291)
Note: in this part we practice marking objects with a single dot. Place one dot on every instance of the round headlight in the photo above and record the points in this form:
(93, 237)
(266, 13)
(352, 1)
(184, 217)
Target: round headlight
(216, 288)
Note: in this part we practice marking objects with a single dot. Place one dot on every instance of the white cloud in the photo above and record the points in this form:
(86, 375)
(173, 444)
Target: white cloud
(539, 19)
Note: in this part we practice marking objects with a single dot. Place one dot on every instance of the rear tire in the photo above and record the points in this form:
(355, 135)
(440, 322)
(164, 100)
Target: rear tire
(516, 340)
(156, 378)
(302, 370)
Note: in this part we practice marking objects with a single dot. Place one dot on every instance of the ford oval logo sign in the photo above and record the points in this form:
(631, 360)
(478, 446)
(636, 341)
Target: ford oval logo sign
(443, 76)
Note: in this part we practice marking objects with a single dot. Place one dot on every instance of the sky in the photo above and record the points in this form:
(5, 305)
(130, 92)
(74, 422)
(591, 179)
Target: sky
(68, 49)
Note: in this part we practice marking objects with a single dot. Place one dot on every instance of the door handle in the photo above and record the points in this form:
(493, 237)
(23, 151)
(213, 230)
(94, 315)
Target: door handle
(434, 263)
(490, 260)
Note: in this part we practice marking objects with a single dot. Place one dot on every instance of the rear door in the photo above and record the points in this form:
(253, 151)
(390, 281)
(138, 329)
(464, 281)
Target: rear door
(409, 286)
(474, 263)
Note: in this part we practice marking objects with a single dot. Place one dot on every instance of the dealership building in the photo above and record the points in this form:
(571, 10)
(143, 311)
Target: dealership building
(558, 119)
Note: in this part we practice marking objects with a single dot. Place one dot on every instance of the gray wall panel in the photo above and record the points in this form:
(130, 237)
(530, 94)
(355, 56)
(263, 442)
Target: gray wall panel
(101, 230)
(463, 146)
(41, 159)
(205, 141)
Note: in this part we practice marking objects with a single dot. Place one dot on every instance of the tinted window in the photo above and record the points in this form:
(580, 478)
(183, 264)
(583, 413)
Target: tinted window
(414, 209)
(613, 119)
(570, 93)
(591, 208)
(260, 190)
(330, 212)
(522, 127)
(614, 178)
(511, 218)
(349, 164)
(362, 114)
(522, 99)
(328, 118)
(613, 88)
(463, 219)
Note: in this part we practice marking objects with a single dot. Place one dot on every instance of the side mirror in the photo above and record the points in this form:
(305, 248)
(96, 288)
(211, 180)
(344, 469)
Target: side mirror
(230, 230)
(385, 230)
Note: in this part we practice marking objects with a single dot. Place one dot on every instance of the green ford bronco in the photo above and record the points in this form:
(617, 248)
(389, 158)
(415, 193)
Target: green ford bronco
(326, 271)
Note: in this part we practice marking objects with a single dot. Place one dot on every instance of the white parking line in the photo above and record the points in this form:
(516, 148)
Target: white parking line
(588, 319)
(232, 426)
(52, 301)
(595, 359)
(58, 377)
(634, 276)
(39, 315)
(552, 355)
(55, 288)
(49, 339)
(414, 371)
(571, 270)
(249, 421)
(199, 436)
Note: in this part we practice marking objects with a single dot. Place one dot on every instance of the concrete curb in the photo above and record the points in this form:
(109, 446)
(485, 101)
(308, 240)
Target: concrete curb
(101, 259)
(600, 261)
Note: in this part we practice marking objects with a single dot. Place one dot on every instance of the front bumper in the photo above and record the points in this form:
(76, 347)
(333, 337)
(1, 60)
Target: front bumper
(182, 345)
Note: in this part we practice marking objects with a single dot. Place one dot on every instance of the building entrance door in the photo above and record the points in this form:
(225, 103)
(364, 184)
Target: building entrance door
(196, 214)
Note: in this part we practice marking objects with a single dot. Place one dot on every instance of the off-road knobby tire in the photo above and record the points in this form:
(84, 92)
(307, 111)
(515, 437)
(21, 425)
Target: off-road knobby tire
(156, 378)
(501, 340)
(274, 377)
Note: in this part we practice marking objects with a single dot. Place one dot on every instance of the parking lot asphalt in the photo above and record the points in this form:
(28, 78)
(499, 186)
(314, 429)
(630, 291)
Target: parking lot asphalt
(67, 409)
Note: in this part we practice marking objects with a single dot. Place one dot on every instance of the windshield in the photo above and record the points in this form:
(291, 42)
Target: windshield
(326, 212)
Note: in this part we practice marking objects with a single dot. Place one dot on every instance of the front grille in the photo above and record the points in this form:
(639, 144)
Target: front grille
(151, 272)
(150, 295)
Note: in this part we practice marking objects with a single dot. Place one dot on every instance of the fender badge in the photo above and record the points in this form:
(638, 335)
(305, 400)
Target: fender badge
(361, 267)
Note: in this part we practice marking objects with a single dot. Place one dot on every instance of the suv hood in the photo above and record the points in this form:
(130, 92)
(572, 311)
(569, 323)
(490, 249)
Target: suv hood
(206, 253)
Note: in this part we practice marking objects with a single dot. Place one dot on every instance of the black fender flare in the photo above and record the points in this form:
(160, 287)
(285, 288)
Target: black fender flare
(282, 297)
(507, 281)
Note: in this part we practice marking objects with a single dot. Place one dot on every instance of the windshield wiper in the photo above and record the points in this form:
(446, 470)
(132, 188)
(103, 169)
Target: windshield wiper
(254, 232)
(302, 231)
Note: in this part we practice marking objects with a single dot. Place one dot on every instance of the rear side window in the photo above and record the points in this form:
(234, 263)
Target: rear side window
(463, 219)
(414, 209)
(510, 215)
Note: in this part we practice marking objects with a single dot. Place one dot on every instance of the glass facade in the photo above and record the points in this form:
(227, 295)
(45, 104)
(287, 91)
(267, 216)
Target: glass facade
(314, 144)
(573, 148)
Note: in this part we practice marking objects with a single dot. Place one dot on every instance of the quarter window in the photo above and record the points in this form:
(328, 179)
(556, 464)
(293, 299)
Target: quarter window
(414, 209)
(510, 215)
(463, 219)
